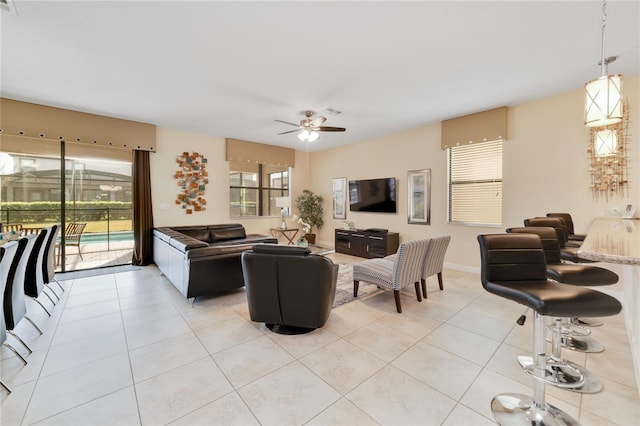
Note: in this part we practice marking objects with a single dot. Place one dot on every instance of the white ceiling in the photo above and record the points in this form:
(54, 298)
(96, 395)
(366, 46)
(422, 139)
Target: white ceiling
(230, 69)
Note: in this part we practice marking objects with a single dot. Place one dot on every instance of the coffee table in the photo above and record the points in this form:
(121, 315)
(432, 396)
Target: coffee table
(320, 250)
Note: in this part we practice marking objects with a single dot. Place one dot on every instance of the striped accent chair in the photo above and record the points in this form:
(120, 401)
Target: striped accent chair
(402, 271)
(434, 261)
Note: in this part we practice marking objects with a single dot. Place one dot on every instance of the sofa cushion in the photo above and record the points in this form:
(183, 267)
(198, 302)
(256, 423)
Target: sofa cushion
(226, 234)
(221, 250)
(198, 232)
(250, 239)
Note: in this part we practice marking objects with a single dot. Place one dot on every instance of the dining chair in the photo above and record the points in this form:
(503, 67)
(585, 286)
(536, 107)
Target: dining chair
(6, 256)
(14, 306)
(33, 282)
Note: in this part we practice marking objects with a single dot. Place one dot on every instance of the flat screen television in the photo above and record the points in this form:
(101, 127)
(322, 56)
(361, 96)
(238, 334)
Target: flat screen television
(373, 195)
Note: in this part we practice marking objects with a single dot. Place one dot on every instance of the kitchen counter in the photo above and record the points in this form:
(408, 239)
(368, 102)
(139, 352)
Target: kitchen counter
(617, 240)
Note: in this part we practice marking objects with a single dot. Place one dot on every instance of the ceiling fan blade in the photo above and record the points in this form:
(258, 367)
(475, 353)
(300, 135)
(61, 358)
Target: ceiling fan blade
(318, 121)
(286, 122)
(289, 131)
(329, 129)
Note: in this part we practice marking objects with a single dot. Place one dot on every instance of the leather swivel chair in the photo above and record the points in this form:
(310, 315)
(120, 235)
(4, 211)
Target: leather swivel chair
(289, 289)
(513, 266)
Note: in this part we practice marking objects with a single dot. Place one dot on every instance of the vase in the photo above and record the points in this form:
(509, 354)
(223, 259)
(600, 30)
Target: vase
(302, 242)
(311, 238)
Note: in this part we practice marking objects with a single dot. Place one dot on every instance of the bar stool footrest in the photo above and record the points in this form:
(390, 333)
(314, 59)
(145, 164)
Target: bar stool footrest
(519, 409)
(581, 344)
(556, 373)
(590, 383)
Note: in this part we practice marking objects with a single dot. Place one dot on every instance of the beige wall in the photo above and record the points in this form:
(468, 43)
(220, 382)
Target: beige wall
(164, 188)
(545, 168)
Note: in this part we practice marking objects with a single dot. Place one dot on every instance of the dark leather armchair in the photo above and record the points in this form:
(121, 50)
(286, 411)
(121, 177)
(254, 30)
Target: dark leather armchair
(289, 289)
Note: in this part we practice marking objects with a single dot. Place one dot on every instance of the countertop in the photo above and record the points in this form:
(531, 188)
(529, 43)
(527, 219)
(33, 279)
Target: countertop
(617, 240)
(613, 240)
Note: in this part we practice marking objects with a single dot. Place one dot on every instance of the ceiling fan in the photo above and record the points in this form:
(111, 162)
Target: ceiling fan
(309, 127)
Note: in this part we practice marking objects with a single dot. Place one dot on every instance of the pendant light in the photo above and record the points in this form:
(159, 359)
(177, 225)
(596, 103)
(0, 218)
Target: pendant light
(603, 96)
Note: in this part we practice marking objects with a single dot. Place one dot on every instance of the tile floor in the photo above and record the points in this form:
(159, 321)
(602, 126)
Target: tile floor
(127, 348)
(99, 255)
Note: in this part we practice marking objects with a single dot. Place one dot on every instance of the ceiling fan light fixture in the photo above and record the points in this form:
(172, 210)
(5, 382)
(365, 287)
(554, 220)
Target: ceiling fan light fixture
(303, 135)
(313, 136)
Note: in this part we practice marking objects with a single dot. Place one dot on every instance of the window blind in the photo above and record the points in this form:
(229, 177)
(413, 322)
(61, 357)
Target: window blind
(475, 184)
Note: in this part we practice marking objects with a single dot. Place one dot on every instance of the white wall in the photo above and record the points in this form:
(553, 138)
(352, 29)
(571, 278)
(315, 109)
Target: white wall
(545, 168)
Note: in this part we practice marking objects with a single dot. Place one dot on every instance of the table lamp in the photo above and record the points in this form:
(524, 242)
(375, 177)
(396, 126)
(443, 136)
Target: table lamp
(284, 203)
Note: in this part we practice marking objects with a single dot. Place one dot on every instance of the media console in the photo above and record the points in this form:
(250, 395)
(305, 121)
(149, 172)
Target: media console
(366, 243)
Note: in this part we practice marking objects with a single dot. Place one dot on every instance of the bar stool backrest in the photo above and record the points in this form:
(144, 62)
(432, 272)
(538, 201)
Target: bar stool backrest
(511, 257)
(549, 238)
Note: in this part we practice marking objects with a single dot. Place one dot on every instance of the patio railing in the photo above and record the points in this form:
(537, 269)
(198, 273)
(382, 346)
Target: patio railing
(103, 224)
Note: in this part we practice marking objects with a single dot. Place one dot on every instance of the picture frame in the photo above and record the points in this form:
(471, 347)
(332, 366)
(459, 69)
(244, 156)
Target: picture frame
(339, 191)
(629, 212)
(419, 197)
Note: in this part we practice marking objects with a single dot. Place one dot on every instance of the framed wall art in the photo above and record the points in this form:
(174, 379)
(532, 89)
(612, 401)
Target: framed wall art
(192, 178)
(340, 198)
(419, 197)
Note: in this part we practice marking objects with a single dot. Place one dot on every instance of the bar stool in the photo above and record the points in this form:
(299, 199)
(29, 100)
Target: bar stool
(567, 253)
(574, 274)
(568, 221)
(513, 266)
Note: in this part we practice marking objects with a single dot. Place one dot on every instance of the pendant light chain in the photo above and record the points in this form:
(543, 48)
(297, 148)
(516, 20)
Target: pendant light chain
(605, 63)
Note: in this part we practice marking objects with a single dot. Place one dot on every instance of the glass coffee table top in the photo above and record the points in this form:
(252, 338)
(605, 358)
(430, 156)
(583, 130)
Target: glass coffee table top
(315, 249)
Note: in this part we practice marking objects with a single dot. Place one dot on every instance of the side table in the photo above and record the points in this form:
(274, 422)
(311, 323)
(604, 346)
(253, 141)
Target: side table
(288, 233)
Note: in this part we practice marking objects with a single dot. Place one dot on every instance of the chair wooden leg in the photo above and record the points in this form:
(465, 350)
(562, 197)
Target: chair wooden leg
(355, 288)
(418, 294)
(424, 287)
(440, 280)
(396, 295)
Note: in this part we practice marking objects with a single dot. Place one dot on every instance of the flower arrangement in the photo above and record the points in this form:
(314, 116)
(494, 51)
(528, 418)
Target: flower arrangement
(306, 228)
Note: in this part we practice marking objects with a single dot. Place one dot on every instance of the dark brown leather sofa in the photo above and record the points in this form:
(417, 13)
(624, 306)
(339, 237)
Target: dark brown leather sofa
(289, 289)
(205, 259)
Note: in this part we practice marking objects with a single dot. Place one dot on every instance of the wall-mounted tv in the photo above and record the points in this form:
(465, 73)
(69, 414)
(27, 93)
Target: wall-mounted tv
(373, 195)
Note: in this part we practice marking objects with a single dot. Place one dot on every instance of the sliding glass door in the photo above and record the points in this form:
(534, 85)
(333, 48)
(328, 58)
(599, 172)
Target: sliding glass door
(97, 209)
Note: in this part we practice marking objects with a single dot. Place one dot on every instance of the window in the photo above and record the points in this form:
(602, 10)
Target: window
(253, 189)
(475, 184)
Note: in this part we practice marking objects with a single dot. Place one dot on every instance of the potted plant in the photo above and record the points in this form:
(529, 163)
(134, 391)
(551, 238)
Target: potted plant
(310, 207)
